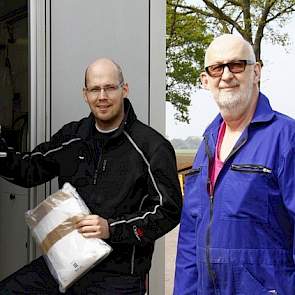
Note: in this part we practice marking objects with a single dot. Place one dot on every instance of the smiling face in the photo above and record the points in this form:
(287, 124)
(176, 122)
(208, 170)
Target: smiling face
(104, 93)
(233, 92)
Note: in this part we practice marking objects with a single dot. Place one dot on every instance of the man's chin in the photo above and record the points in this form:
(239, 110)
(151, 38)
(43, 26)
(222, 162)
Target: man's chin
(103, 114)
(227, 105)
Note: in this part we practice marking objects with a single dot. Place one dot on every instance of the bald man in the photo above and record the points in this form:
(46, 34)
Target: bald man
(237, 226)
(125, 172)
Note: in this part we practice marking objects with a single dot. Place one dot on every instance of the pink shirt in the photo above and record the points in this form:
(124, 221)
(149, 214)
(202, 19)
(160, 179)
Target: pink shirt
(217, 164)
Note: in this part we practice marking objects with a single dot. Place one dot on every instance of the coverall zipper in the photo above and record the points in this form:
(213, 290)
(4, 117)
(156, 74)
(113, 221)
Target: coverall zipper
(208, 243)
(210, 190)
(208, 231)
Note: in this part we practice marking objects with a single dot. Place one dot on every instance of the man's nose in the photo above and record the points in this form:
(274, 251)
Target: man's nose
(102, 93)
(227, 74)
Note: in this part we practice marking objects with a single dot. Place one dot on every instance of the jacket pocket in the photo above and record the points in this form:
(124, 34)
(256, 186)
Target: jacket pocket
(251, 168)
(193, 171)
(245, 193)
(192, 194)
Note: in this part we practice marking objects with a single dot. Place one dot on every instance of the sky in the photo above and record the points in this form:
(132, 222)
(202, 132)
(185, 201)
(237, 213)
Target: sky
(277, 83)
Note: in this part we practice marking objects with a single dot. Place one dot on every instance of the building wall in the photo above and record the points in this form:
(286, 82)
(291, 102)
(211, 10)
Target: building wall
(64, 37)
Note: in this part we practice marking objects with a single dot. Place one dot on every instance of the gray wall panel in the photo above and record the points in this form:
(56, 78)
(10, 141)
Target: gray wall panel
(157, 117)
(158, 65)
(81, 31)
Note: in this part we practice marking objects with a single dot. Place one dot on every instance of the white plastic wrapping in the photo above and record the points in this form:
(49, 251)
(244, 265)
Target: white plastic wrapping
(68, 254)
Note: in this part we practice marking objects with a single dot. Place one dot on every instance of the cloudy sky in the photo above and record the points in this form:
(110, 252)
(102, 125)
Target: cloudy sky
(277, 82)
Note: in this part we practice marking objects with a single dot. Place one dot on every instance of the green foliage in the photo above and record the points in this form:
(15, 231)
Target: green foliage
(186, 42)
(190, 28)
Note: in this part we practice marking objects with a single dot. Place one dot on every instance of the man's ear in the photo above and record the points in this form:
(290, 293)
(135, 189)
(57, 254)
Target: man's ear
(257, 72)
(125, 89)
(204, 80)
(84, 95)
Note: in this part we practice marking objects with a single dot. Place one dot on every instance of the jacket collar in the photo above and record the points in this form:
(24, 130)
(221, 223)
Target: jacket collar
(263, 113)
(88, 129)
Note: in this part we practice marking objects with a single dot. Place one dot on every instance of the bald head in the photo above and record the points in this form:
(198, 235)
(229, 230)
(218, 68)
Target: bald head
(234, 84)
(228, 47)
(104, 62)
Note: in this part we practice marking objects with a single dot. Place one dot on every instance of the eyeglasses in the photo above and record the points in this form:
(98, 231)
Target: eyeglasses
(235, 67)
(108, 89)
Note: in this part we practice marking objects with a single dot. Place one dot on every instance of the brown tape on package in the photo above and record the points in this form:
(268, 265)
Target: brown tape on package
(59, 232)
(46, 206)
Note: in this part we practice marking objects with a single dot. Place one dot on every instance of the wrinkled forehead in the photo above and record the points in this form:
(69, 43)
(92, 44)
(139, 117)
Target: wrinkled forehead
(225, 51)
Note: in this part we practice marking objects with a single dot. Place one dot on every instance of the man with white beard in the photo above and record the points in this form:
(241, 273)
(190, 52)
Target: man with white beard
(237, 225)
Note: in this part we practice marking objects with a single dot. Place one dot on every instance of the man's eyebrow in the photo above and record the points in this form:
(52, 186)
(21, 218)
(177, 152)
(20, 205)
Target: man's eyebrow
(103, 85)
(228, 61)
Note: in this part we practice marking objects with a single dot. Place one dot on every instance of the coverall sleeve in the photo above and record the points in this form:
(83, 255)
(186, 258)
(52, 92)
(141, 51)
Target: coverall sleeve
(185, 281)
(160, 209)
(286, 178)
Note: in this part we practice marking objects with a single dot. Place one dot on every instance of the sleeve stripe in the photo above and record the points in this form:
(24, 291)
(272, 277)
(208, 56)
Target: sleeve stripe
(135, 218)
(53, 150)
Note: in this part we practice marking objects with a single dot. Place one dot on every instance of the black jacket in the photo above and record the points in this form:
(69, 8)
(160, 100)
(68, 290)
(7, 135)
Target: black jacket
(131, 180)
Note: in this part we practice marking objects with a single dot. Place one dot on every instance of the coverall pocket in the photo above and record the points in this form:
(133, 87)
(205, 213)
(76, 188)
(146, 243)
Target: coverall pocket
(247, 284)
(245, 194)
(192, 191)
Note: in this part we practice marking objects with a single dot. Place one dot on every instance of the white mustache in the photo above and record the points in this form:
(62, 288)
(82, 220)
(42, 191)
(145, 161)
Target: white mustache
(229, 86)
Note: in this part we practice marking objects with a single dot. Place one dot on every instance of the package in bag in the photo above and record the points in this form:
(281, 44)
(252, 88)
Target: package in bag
(67, 253)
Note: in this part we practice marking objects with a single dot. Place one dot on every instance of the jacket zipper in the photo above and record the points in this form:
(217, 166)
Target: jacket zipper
(210, 190)
(251, 168)
(104, 165)
(97, 168)
(96, 171)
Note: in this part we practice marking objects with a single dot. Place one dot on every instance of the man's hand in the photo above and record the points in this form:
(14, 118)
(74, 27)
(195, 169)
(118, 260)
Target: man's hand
(93, 226)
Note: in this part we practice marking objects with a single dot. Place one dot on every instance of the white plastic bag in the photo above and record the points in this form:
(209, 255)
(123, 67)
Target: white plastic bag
(68, 254)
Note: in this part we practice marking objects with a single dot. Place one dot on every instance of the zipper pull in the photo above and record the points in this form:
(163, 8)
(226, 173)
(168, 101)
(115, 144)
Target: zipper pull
(266, 170)
(95, 176)
(104, 165)
(211, 199)
(210, 188)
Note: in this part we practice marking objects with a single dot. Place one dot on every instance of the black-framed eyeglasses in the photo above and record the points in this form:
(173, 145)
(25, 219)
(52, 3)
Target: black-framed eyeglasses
(108, 89)
(235, 67)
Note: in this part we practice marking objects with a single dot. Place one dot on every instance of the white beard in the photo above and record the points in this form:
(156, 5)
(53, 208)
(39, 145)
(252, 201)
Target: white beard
(235, 102)
(228, 100)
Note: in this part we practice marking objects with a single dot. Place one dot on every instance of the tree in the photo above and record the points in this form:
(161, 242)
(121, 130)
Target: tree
(254, 20)
(186, 41)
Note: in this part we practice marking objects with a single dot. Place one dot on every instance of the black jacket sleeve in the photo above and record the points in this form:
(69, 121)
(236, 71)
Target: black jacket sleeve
(32, 168)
